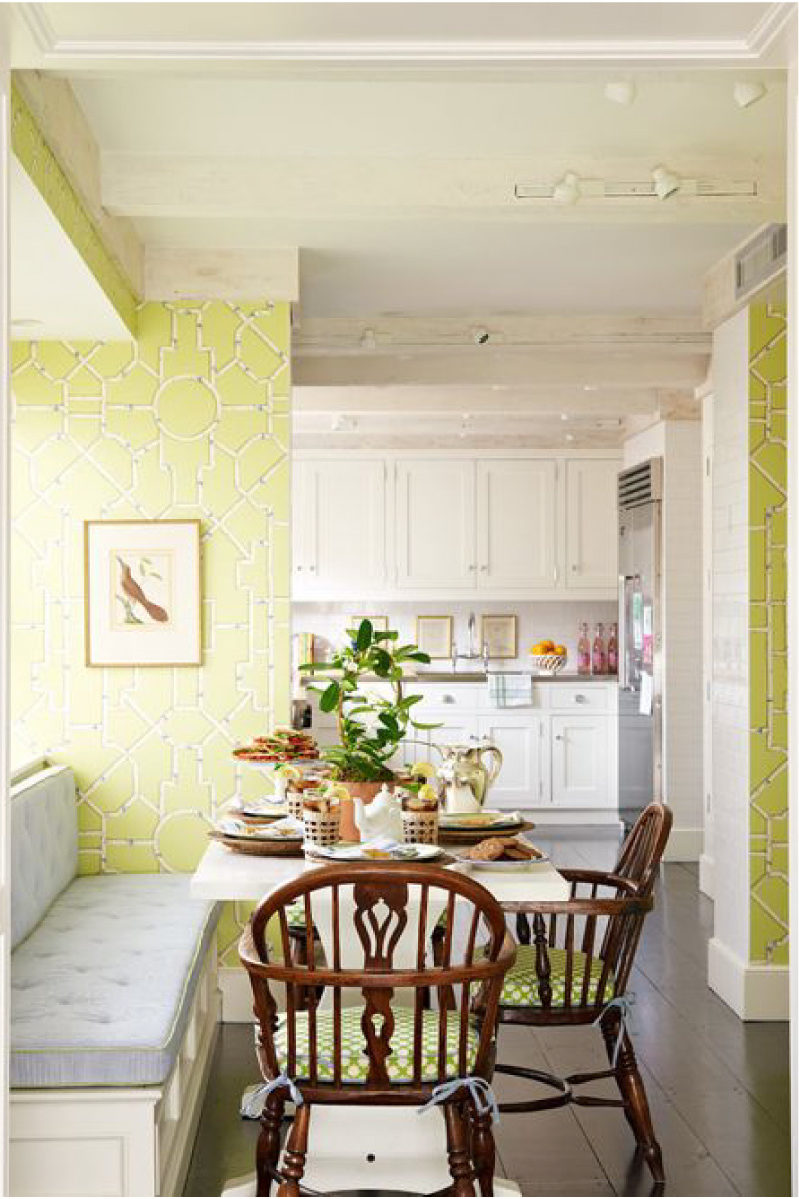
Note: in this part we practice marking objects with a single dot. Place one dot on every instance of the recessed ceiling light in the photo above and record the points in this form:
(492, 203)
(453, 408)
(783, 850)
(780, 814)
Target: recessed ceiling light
(570, 437)
(368, 339)
(747, 92)
(620, 91)
(590, 387)
(567, 189)
(666, 183)
(564, 416)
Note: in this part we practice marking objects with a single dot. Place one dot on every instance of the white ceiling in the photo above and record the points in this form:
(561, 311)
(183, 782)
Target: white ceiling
(323, 105)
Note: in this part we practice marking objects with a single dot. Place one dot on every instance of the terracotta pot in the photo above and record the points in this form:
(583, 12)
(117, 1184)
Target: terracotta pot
(348, 829)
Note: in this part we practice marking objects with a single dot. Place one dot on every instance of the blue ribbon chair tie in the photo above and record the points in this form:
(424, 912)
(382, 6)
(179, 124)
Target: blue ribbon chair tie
(253, 1104)
(481, 1093)
(624, 1003)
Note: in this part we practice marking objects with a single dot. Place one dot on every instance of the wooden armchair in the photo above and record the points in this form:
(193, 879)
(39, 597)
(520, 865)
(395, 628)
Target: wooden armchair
(575, 967)
(387, 1049)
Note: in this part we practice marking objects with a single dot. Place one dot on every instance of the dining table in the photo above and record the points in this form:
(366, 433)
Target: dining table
(367, 1148)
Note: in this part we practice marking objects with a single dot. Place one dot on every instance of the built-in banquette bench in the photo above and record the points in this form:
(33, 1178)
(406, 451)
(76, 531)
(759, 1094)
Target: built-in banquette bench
(114, 1010)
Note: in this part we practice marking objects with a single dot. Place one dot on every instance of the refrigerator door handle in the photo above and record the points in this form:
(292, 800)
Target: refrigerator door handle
(624, 683)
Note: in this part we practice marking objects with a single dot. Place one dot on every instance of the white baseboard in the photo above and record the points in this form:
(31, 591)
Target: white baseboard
(753, 992)
(707, 866)
(684, 845)
(236, 995)
(585, 817)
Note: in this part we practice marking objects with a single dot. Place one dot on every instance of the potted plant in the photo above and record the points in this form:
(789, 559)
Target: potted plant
(370, 726)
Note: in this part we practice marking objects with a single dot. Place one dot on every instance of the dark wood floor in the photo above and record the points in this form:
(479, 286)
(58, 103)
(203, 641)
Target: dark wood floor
(718, 1088)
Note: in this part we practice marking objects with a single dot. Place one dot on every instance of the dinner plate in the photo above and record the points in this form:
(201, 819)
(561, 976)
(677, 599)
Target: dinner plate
(502, 867)
(260, 810)
(241, 831)
(468, 822)
(348, 851)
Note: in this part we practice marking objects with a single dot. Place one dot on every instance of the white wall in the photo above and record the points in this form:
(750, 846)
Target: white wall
(679, 443)
(730, 671)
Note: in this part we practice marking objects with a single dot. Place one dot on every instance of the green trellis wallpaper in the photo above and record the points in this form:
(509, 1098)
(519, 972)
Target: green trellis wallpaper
(191, 420)
(768, 686)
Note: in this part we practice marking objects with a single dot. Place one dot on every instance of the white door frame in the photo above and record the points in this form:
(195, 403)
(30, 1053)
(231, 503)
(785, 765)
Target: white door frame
(5, 641)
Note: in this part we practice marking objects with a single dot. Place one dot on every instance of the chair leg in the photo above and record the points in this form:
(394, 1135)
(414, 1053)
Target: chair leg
(636, 1104)
(460, 1166)
(296, 1151)
(483, 1149)
(268, 1151)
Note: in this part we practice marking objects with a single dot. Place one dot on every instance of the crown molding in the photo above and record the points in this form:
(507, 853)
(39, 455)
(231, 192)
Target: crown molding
(438, 52)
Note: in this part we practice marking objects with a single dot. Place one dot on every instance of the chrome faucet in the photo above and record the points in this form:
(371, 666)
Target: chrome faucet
(472, 631)
(454, 657)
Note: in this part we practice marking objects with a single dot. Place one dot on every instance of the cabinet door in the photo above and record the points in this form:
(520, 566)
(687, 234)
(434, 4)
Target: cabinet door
(580, 750)
(516, 506)
(518, 736)
(435, 524)
(340, 539)
(592, 523)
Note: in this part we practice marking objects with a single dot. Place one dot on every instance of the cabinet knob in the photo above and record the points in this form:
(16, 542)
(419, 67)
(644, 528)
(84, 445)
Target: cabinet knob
(448, 699)
(574, 567)
(484, 568)
(299, 568)
(559, 736)
(312, 568)
(579, 699)
(472, 566)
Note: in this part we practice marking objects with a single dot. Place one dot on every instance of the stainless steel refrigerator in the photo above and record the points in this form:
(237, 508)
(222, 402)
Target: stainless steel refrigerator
(640, 638)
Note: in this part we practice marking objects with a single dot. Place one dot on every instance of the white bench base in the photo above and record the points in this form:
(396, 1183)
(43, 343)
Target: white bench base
(118, 1140)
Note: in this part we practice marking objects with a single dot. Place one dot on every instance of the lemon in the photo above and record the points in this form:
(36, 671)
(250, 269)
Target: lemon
(335, 790)
(291, 773)
(428, 792)
(422, 770)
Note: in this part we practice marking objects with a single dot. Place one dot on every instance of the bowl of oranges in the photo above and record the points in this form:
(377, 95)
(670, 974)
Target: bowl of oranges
(548, 657)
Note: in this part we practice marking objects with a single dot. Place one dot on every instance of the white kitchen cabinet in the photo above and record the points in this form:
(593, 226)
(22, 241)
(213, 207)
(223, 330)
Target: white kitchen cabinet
(591, 523)
(579, 762)
(516, 523)
(435, 524)
(340, 527)
(449, 524)
(522, 782)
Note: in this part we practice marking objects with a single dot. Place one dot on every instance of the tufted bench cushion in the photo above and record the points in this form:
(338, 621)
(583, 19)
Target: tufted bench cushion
(44, 845)
(101, 990)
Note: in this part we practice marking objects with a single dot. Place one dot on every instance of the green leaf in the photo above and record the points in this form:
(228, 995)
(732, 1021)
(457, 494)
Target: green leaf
(364, 637)
(385, 635)
(418, 724)
(329, 698)
(419, 656)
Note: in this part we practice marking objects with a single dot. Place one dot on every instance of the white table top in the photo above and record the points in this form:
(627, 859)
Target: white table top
(223, 874)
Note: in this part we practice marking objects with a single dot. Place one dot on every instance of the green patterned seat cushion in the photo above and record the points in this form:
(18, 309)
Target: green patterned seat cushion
(295, 916)
(521, 986)
(354, 1060)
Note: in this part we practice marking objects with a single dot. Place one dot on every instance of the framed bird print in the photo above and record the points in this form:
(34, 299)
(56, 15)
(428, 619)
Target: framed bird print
(142, 592)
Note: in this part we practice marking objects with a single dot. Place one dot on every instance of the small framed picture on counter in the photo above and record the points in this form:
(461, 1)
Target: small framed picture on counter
(379, 623)
(434, 635)
(498, 633)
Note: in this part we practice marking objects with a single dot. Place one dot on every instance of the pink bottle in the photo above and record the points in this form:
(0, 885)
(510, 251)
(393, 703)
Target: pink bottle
(600, 658)
(613, 650)
(583, 651)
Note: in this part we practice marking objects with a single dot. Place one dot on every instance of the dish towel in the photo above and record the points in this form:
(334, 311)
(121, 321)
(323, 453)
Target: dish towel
(508, 690)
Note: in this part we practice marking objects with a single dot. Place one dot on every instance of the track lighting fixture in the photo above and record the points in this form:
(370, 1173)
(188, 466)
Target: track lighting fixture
(480, 336)
(747, 92)
(666, 183)
(567, 189)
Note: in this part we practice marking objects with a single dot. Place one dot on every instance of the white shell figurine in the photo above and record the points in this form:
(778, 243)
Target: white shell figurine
(380, 818)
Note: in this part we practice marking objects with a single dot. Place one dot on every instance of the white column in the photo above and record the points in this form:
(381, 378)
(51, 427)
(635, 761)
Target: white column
(5, 406)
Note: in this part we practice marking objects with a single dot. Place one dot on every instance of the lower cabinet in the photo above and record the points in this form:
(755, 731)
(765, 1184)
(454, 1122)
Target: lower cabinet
(580, 761)
(519, 736)
(553, 757)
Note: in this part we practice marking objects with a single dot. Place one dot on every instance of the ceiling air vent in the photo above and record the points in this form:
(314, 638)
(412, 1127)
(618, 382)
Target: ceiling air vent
(640, 484)
(760, 259)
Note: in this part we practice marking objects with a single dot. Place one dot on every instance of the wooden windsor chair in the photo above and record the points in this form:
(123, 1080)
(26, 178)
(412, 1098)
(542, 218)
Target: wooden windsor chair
(575, 969)
(382, 1051)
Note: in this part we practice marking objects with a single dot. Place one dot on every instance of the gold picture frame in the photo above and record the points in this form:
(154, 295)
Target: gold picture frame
(135, 614)
(379, 623)
(434, 635)
(499, 631)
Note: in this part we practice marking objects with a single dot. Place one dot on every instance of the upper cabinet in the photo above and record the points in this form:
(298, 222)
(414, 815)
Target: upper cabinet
(339, 524)
(437, 525)
(516, 524)
(592, 531)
